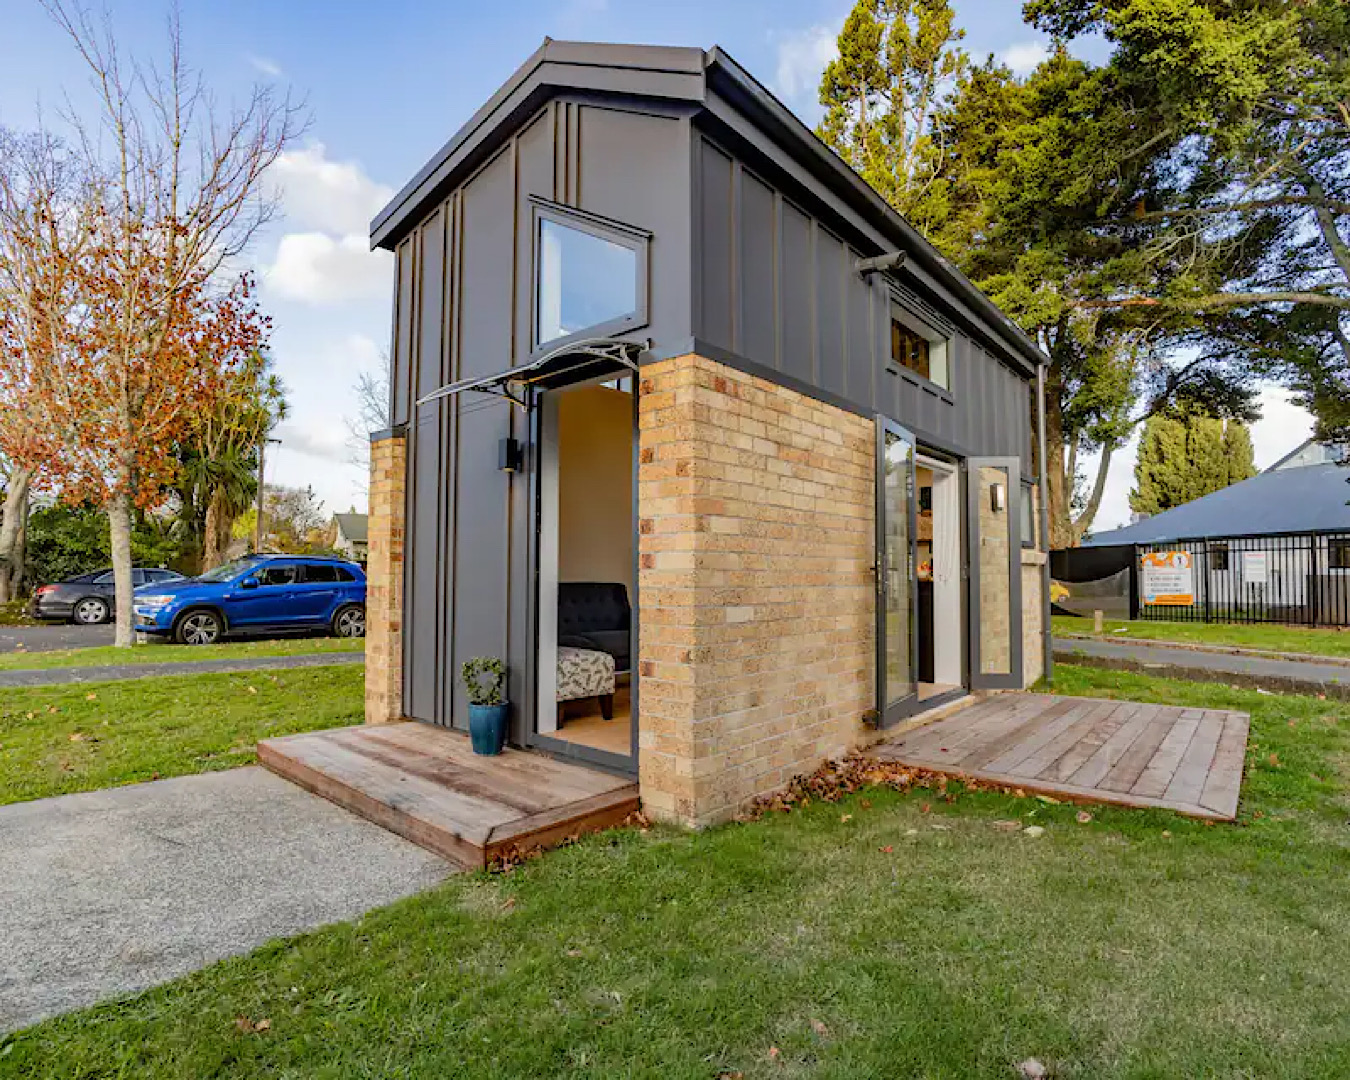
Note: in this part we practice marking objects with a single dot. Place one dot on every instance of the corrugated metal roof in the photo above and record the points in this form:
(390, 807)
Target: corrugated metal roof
(1309, 499)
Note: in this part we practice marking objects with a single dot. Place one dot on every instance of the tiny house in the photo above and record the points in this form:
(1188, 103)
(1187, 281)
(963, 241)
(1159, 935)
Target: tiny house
(730, 466)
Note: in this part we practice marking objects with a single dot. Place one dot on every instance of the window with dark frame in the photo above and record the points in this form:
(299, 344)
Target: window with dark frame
(1028, 515)
(1338, 553)
(1218, 557)
(590, 276)
(919, 348)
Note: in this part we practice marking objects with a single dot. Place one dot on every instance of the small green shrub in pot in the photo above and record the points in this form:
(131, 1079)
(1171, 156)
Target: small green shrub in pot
(484, 679)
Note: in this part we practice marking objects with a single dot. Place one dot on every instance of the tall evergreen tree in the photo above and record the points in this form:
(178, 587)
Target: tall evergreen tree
(1184, 455)
(898, 59)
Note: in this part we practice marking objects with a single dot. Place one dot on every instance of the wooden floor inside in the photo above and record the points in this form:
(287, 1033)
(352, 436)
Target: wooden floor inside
(584, 725)
(426, 784)
(1188, 760)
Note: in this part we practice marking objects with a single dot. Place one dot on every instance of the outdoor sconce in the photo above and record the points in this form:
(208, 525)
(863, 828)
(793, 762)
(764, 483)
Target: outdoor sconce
(510, 455)
(998, 498)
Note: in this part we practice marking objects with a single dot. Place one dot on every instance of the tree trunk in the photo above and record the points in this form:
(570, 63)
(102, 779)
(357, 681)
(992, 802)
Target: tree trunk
(119, 535)
(216, 533)
(12, 532)
(1056, 472)
(1084, 520)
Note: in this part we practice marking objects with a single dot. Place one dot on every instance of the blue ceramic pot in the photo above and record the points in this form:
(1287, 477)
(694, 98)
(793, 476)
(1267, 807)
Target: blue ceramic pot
(487, 727)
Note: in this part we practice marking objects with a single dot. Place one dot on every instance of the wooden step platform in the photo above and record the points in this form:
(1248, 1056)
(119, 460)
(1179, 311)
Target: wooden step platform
(426, 784)
(1090, 750)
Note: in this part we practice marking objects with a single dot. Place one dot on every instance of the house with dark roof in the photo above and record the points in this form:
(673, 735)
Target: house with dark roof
(1275, 547)
(348, 535)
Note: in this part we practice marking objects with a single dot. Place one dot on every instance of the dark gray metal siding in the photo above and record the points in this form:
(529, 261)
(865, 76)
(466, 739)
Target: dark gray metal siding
(462, 308)
(776, 286)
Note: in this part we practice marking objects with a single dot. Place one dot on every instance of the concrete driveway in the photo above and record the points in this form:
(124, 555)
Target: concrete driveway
(50, 636)
(110, 892)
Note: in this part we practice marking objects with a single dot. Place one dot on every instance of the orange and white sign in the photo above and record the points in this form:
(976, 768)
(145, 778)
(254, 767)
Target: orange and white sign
(1167, 578)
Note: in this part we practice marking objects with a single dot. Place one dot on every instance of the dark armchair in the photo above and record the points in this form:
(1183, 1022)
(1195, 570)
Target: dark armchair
(595, 615)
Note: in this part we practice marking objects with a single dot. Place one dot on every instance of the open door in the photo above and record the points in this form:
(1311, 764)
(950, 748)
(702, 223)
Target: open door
(897, 656)
(993, 490)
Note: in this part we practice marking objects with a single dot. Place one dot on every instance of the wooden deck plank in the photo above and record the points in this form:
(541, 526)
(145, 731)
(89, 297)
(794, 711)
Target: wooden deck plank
(1224, 783)
(1125, 772)
(992, 749)
(930, 736)
(1188, 784)
(1163, 766)
(1099, 765)
(1094, 750)
(948, 740)
(427, 786)
(1024, 748)
(1030, 766)
(1103, 728)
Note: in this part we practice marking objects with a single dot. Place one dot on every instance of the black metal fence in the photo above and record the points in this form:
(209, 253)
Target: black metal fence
(1291, 578)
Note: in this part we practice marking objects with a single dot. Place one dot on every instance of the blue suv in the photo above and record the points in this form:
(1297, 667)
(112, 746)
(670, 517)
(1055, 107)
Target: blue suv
(257, 594)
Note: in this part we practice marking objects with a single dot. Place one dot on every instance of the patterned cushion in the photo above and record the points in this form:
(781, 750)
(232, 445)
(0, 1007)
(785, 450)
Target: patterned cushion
(584, 673)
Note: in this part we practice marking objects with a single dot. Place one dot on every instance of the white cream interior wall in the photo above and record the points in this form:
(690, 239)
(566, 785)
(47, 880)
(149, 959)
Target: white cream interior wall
(595, 485)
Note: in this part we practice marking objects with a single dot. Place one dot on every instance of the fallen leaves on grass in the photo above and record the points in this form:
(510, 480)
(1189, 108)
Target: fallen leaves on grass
(252, 1027)
(1008, 826)
(846, 775)
(1084, 817)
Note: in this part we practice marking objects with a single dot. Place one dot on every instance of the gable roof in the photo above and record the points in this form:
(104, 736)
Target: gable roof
(1310, 499)
(701, 79)
(352, 526)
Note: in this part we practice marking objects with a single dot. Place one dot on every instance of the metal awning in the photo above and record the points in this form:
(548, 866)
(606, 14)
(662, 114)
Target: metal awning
(567, 358)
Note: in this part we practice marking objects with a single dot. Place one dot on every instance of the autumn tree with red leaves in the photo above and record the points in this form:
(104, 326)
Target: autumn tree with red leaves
(177, 195)
(46, 226)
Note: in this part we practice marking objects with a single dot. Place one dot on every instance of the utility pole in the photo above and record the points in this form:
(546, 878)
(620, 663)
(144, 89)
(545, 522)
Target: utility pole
(258, 524)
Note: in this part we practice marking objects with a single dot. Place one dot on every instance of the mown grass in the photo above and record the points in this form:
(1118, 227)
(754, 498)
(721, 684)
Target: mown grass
(887, 935)
(159, 652)
(1265, 637)
(61, 739)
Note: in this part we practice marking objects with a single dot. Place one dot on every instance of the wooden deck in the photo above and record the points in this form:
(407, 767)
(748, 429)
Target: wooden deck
(426, 784)
(1188, 760)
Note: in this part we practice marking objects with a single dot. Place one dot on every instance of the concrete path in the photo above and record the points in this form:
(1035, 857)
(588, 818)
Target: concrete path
(1265, 673)
(110, 892)
(51, 636)
(114, 672)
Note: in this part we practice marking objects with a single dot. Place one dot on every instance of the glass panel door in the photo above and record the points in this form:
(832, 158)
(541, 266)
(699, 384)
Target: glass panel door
(994, 489)
(897, 689)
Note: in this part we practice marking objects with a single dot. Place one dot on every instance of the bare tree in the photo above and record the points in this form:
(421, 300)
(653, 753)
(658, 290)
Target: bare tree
(372, 413)
(181, 198)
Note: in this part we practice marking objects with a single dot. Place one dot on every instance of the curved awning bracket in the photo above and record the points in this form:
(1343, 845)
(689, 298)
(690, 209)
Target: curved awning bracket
(508, 384)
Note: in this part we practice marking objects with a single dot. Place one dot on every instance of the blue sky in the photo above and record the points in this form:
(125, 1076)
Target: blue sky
(386, 85)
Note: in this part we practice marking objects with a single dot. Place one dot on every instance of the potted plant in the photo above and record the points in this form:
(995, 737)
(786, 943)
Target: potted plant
(484, 679)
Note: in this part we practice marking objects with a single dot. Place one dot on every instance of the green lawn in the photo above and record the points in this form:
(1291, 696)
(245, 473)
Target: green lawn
(1267, 637)
(162, 652)
(888, 935)
(55, 740)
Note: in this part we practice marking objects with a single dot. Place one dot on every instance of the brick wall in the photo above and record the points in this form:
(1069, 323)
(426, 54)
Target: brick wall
(756, 535)
(384, 581)
(1033, 616)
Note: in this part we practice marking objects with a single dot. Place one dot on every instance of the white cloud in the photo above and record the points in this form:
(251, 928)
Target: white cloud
(1025, 57)
(802, 56)
(265, 66)
(317, 268)
(324, 441)
(333, 196)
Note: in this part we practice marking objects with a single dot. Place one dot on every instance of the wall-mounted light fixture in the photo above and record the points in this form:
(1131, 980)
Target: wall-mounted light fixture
(892, 260)
(510, 455)
(998, 498)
